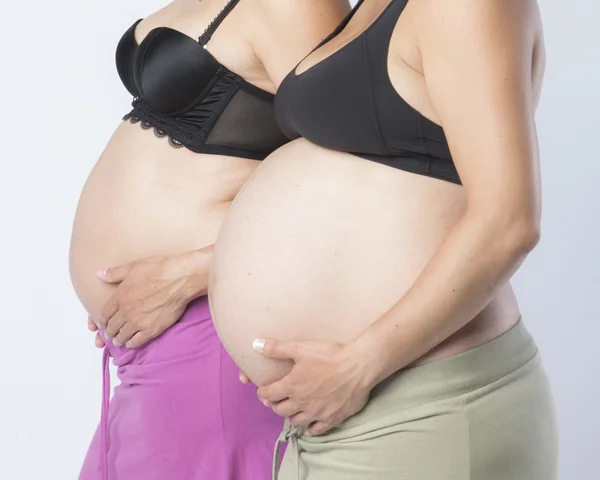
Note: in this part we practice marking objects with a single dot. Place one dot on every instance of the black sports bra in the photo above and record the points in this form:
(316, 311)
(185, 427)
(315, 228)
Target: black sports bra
(347, 102)
(183, 92)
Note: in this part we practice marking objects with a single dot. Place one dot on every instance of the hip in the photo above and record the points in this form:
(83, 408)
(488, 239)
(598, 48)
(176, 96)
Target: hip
(187, 351)
(180, 411)
(487, 413)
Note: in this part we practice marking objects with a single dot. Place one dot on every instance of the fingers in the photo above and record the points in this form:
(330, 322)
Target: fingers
(99, 342)
(109, 309)
(92, 327)
(140, 338)
(115, 274)
(114, 325)
(277, 348)
(285, 408)
(272, 393)
(319, 428)
(300, 420)
(244, 378)
(125, 333)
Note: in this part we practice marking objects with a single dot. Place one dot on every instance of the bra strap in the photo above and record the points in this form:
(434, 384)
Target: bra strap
(212, 26)
(343, 24)
(337, 30)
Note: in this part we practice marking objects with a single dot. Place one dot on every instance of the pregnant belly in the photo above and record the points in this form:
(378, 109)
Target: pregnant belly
(318, 245)
(144, 198)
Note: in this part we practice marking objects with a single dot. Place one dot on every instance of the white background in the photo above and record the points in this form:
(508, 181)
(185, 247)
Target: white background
(61, 99)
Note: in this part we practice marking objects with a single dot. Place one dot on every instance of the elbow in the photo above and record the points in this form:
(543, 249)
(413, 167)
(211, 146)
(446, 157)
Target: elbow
(528, 237)
(520, 236)
(512, 235)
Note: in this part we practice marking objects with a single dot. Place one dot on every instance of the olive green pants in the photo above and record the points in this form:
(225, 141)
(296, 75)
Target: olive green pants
(486, 414)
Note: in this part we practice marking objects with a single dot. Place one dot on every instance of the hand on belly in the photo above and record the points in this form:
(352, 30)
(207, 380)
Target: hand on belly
(326, 385)
(150, 296)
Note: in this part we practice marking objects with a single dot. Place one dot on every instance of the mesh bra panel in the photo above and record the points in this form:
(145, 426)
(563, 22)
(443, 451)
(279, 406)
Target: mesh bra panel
(232, 118)
(247, 123)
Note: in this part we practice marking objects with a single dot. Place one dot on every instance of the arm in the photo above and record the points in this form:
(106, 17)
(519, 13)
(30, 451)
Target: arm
(477, 60)
(285, 31)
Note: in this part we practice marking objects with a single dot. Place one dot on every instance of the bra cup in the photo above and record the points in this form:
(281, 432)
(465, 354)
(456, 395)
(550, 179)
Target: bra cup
(125, 57)
(171, 71)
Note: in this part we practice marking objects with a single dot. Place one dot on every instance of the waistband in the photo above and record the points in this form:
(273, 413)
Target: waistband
(456, 375)
(432, 382)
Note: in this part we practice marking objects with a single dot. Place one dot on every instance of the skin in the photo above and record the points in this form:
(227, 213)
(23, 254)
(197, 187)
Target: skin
(156, 268)
(482, 63)
(151, 295)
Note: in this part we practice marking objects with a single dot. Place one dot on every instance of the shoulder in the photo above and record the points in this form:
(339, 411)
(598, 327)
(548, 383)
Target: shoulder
(480, 36)
(300, 14)
(481, 18)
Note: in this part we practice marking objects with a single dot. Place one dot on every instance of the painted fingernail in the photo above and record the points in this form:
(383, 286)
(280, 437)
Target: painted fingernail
(258, 344)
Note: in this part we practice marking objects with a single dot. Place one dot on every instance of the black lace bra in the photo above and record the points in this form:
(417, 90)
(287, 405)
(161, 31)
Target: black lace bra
(184, 93)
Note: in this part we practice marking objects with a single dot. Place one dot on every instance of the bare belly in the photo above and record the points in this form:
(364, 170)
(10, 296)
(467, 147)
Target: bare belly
(319, 244)
(145, 198)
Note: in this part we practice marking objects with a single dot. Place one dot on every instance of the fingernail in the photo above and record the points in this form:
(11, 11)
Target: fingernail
(266, 403)
(116, 343)
(101, 273)
(258, 344)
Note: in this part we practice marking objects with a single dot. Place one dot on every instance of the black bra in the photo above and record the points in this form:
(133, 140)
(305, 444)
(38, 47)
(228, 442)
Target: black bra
(347, 102)
(183, 92)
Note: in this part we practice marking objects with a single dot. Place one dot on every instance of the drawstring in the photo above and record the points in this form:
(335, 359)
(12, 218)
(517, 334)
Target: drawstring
(104, 415)
(290, 435)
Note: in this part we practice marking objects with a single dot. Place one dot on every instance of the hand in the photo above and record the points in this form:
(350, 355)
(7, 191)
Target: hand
(325, 386)
(151, 296)
(92, 327)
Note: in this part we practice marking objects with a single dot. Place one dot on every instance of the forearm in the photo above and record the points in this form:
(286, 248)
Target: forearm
(475, 261)
(193, 266)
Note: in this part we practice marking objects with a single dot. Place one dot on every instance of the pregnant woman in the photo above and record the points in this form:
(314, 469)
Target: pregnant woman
(203, 76)
(361, 276)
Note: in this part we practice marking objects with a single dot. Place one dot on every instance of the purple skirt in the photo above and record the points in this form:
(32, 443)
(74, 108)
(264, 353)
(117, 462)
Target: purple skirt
(180, 412)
